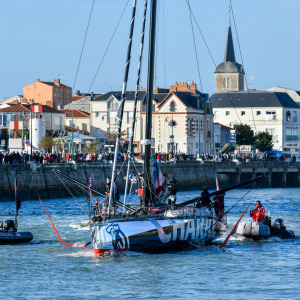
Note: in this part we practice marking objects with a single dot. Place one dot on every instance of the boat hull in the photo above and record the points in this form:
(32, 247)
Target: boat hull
(153, 235)
(257, 230)
(7, 238)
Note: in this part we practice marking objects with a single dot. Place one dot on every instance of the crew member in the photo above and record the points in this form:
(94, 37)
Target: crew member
(205, 200)
(140, 181)
(172, 194)
(219, 205)
(258, 213)
(107, 191)
(97, 211)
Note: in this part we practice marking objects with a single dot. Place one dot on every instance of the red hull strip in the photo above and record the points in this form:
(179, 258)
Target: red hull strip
(103, 251)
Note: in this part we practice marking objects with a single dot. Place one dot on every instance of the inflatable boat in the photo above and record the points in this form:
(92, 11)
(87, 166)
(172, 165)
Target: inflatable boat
(10, 235)
(266, 229)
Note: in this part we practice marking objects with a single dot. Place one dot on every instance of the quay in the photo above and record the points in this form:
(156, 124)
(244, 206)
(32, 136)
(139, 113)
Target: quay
(39, 180)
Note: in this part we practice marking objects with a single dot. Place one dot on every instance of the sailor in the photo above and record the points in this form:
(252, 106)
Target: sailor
(107, 190)
(219, 205)
(140, 181)
(258, 213)
(97, 211)
(172, 194)
(205, 201)
(115, 196)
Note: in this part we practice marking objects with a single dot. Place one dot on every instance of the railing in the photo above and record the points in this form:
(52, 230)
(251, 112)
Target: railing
(292, 138)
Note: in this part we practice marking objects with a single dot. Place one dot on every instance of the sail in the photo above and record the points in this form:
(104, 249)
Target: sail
(158, 178)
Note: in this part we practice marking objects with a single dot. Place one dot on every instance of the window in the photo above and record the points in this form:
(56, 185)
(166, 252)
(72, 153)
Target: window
(68, 93)
(61, 92)
(1, 120)
(129, 117)
(113, 105)
(258, 112)
(172, 106)
(57, 103)
(111, 117)
(228, 83)
(288, 116)
(224, 83)
(97, 114)
(227, 113)
(271, 131)
(207, 108)
(291, 131)
(61, 104)
(295, 119)
(291, 134)
(190, 123)
(270, 115)
(242, 113)
(56, 92)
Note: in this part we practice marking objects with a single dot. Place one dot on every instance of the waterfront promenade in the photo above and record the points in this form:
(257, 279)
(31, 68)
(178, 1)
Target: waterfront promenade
(39, 180)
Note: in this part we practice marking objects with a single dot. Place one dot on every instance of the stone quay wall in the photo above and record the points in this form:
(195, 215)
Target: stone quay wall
(36, 181)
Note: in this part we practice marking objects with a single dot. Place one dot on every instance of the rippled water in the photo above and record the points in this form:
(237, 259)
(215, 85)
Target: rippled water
(46, 269)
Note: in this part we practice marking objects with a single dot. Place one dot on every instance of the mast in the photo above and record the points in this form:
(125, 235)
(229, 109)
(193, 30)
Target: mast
(129, 152)
(147, 195)
(121, 108)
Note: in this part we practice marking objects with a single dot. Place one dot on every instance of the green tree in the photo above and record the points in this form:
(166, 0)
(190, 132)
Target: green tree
(263, 142)
(244, 134)
(47, 142)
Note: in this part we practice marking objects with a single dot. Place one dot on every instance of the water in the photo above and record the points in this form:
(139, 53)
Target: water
(46, 269)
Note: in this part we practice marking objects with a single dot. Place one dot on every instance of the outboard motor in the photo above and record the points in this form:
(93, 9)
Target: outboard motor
(279, 223)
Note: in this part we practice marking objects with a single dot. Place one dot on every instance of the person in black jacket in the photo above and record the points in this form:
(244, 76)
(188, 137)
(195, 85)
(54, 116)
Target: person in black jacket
(172, 194)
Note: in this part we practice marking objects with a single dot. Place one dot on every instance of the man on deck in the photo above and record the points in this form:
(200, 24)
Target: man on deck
(258, 213)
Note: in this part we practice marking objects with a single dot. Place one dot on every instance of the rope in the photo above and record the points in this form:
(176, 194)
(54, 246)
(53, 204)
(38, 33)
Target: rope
(108, 45)
(73, 196)
(188, 2)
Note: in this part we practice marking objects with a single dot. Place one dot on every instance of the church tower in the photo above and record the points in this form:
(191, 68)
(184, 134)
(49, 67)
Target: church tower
(229, 75)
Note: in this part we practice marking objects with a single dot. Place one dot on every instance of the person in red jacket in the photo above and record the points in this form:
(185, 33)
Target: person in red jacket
(258, 213)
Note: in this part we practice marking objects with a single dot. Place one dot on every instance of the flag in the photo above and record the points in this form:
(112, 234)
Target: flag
(217, 183)
(18, 201)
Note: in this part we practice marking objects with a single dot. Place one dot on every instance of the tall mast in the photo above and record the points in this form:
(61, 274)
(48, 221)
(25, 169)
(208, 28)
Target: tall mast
(121, 108)
(129, 152)
(147, 195)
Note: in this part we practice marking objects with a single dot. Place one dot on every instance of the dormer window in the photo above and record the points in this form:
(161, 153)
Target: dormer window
(172, 106)
(113, 105)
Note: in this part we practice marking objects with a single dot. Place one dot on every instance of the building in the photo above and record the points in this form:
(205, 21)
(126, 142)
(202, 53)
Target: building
(229, 75)
(273, 111)
(77, 119)
(182, 119)
(54, 119)
(221, 136)
(54, 94)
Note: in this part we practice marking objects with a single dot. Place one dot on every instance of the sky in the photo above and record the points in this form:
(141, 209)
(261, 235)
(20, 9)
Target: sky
(42, 39)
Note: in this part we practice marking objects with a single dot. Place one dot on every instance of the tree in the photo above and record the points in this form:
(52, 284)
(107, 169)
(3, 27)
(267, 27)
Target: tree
(263, 142)
(47, 143)
(244, 134)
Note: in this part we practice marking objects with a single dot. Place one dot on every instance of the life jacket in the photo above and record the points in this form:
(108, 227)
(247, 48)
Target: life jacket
(258, 214)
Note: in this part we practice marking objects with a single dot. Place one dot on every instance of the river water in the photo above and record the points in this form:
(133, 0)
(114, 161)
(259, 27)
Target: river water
(46, 269)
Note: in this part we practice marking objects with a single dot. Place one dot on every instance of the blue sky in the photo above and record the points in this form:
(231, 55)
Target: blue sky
(43, 38)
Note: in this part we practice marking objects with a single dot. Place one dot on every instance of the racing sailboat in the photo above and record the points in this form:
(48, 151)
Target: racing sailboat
(151, 227)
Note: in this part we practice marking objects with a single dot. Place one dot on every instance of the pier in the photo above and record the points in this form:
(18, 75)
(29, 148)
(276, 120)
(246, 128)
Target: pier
(39, 180)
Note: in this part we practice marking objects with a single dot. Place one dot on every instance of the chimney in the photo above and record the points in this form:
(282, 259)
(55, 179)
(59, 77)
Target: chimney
(92, 94)
(38, 80)
(15, 101)
(57, 81)
(193, 88)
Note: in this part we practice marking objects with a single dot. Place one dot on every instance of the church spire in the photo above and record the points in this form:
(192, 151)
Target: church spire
(229, 50)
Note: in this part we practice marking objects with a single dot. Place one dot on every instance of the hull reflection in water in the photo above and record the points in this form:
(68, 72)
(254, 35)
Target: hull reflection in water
(155, 234)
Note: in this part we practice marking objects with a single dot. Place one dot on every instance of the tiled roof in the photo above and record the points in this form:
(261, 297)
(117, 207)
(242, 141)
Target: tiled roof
(224, 127)
(76, 113)
(27, 107)
(54, 84)
(69, 128)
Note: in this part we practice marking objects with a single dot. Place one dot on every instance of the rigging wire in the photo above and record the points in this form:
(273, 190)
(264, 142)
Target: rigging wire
(195, 48)
(164, 40)
(212, 58)
(115, 30)
(248, 92)
(86, 32)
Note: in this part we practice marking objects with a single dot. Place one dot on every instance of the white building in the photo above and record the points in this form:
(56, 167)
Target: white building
(272, 112)
(182, 117)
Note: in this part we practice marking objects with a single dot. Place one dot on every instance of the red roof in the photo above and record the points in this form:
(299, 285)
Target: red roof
(54, 84)
(69, 128)
(224, 126)
(27, 107)
(76, 113)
